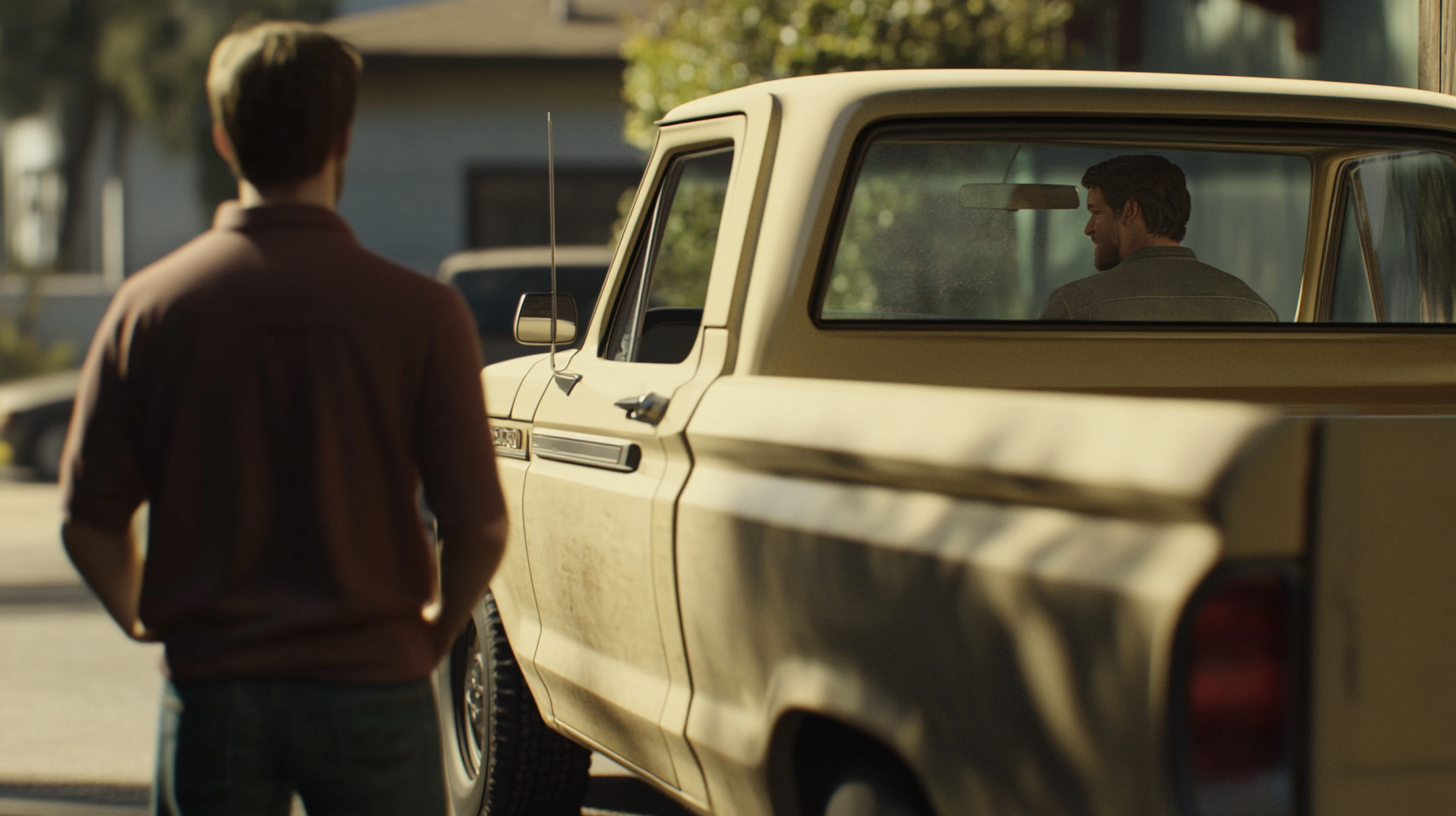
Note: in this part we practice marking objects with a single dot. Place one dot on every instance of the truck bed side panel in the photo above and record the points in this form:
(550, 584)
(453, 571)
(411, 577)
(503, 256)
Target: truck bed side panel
(986, 582)
(1383, 666)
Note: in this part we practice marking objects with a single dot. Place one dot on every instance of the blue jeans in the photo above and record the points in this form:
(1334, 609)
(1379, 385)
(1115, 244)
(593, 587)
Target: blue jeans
(236, 748)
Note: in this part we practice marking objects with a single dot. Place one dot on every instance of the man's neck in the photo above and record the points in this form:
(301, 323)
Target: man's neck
(320, 190)
(1144, 241)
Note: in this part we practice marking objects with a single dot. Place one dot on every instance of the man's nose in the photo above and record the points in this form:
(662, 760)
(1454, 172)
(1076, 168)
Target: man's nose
(1087, 230)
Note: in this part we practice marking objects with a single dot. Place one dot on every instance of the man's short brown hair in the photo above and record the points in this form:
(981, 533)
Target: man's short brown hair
(1156, 184)
(284, 93)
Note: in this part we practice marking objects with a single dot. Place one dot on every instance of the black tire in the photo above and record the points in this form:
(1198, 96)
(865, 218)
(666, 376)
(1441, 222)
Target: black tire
(864, 791)
(841, 772)
(501, 759)
(46, 445)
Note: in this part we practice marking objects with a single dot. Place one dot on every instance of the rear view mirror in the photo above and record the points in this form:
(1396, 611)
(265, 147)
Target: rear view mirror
(533, 319)
(1020, 197)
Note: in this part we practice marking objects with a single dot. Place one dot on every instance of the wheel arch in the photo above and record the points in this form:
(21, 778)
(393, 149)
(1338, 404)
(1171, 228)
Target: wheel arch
(807, 749)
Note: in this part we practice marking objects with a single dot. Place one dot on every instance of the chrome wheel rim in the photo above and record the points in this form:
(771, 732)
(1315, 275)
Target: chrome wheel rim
(471, 713)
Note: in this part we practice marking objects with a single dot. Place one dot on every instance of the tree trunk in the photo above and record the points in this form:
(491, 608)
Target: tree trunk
(79, 134)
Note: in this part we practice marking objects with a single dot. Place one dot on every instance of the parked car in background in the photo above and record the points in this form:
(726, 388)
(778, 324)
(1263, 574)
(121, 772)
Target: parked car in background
(493, 280)
(34, 415)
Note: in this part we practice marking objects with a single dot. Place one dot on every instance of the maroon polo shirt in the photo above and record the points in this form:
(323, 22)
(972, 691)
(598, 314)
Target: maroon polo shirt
(278, 394)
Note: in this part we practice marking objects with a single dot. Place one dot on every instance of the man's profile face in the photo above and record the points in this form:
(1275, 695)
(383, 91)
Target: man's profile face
(1102, 229)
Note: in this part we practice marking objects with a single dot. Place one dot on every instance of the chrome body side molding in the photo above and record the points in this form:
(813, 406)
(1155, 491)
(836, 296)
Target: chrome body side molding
(582, 449)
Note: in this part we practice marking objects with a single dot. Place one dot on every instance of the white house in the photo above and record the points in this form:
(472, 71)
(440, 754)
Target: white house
(449, 147)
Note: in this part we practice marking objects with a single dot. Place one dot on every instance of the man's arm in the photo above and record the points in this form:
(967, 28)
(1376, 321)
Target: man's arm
(468, 559)
(111, 563)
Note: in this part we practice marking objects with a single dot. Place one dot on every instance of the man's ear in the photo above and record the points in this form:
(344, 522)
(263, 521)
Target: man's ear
(221, 143)
(1132, 213)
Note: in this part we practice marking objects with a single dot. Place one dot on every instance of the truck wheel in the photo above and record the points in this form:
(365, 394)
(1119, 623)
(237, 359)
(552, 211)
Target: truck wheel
(862, 794)
(866, 790)
(501, 759)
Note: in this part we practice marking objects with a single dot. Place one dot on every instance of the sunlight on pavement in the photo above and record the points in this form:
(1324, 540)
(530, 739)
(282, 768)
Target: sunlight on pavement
(78, 700)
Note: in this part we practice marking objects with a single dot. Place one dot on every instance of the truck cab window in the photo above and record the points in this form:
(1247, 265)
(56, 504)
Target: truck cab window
(660, 308)
(1397, 251)
(946, 225)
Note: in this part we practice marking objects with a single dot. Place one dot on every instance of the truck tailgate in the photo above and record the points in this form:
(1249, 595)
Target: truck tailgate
(1383, 714)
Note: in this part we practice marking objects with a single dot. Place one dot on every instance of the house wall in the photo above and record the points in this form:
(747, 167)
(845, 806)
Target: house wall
(163, 200)
(423, 124)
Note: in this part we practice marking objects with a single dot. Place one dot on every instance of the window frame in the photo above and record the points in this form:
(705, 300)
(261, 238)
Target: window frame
(648, 249)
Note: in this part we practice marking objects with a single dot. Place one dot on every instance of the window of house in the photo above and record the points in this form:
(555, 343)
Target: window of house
(660, 306)
(953, 224)
(511, 207)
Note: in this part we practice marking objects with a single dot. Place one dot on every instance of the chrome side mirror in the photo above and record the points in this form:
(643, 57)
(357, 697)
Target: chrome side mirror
(533, 319)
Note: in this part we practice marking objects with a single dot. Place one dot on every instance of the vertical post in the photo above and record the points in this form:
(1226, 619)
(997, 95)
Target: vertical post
(113, 232)
(1436, 55)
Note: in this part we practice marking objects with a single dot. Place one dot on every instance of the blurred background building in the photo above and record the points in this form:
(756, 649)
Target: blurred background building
(449, 148)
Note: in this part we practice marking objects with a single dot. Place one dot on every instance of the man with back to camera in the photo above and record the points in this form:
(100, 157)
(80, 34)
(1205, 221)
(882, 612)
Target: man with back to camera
(1139, 208)
(277, 392)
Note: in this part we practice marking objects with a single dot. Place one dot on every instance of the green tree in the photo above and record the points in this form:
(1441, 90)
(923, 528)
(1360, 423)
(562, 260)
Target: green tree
(146, 60)
(685, 49)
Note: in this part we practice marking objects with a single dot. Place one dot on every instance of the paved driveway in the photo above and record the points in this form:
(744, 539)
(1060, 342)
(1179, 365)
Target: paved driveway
(78, 700)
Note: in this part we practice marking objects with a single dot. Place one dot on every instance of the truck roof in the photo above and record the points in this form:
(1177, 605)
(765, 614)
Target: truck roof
(1019, 92)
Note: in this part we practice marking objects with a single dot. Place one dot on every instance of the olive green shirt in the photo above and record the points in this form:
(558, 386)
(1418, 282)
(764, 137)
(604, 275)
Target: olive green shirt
(1159, 284)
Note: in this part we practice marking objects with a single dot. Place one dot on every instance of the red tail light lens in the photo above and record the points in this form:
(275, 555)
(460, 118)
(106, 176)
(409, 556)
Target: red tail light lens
(1239, 666)
(1238, 680)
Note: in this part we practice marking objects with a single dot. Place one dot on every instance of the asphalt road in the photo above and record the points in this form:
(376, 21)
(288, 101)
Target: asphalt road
(78, 700)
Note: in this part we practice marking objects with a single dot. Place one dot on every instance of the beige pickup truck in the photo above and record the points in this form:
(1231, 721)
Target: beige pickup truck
(824, 518)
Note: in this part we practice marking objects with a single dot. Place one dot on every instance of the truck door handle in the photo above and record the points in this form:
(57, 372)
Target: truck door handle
(647, 407)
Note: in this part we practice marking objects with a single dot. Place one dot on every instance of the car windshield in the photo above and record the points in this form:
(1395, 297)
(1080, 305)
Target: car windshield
(940, 226)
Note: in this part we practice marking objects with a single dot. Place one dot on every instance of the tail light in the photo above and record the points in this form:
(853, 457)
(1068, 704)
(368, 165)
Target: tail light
(1237, 700)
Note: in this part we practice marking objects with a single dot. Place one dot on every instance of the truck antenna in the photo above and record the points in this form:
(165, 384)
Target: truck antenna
(564, 380)
(551, 210)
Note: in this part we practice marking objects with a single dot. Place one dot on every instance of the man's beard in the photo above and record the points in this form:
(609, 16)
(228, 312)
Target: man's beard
(1107, 254)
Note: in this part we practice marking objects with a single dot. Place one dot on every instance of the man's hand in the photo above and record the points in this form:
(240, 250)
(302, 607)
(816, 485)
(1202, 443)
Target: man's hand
(468, 559)
(111, 564)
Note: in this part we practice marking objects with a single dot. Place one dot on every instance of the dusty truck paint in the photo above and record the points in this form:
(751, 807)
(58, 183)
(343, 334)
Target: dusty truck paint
(979, 546)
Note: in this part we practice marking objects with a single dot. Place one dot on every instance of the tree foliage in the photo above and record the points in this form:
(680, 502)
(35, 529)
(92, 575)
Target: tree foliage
(148, 55)
(145, 58)
(153, 55)
(685, 49)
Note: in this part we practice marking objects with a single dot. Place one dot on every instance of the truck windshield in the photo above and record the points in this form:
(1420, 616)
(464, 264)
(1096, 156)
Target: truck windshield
(939, 226)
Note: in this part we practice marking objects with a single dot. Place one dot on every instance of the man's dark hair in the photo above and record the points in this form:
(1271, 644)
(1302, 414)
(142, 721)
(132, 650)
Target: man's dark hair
(284, 93)
(1156, 184)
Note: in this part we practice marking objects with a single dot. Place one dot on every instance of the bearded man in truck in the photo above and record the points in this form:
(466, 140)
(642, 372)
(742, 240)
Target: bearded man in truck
(1138, 210)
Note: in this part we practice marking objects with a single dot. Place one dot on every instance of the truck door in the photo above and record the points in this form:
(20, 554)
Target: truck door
(609, 460)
